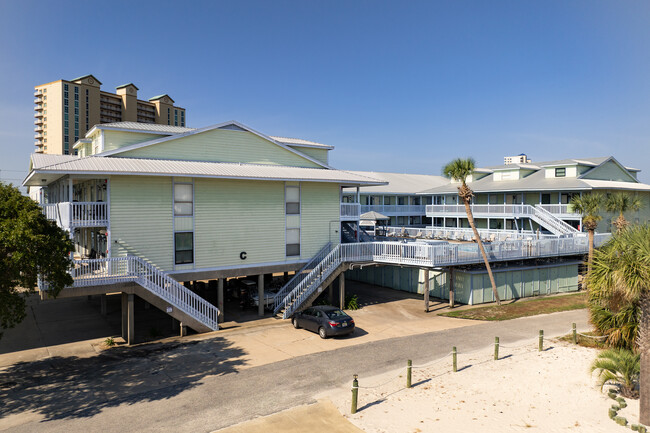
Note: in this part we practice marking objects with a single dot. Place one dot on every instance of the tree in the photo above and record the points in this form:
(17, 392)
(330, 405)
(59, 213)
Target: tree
(620, 366)
(460, 169)
(621, 269)
(29, 245)
(589, 205)
(621, 202)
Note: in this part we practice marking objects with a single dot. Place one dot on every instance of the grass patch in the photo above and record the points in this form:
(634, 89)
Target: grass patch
(523, 308)
(596, 343)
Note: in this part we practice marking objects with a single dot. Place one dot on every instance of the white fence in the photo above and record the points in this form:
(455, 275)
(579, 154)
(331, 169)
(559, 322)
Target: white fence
(403, 209)
(463, 234)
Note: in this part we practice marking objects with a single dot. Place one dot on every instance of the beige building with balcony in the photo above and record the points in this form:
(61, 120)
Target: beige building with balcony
(66, 110)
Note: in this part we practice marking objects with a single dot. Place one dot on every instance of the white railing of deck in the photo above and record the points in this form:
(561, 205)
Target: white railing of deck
(114, 270)
(463, 234)
(350, 210)
(415, 209)
(431, 255)
(77, 214)
(559, 209)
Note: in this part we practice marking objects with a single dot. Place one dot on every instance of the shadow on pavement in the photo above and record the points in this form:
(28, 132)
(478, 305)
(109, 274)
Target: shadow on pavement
(72, 387)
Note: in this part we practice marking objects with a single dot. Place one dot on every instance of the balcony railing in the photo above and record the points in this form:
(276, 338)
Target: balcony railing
(393, 209)
(350, 211)
(504, 210)
(77, 214)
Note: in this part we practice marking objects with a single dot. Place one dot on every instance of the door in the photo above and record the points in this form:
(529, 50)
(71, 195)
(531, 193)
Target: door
(335, 232)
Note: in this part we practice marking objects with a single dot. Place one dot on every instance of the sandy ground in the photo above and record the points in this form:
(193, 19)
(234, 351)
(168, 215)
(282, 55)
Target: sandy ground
(525, 390)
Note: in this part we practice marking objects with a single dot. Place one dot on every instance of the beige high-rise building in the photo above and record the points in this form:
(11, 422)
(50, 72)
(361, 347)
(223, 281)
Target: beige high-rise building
(66, 110)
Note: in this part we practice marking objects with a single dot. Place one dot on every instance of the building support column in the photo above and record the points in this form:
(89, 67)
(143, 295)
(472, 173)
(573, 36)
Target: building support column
(220, 304)
(451, 287)
(342, 290)
(102, 305)
(260, 295)
(125, 316)
(330, 294)
(130, 319)
(183, 327)
(426, 290)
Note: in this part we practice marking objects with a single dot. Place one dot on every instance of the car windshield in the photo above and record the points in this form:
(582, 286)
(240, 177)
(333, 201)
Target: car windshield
(336, 314)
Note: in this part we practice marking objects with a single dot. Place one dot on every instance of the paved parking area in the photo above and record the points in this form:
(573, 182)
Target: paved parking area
(74, 327)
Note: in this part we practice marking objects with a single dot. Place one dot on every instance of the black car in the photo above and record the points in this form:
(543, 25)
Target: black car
(324, 319)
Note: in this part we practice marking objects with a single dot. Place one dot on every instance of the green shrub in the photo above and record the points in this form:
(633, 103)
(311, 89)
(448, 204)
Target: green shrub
(612, 412)
(620, 420)
(110, 342)
(352, 302)
(620, 366)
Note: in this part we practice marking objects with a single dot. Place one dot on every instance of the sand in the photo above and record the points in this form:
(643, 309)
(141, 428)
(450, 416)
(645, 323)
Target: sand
(551, 391)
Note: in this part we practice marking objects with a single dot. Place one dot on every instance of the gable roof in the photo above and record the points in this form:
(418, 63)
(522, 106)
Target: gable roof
(127, 85)
(624, 170)
(155, 98)
(55, 166)
(300, 142)
(537, 181)
(87, 76)
(223, 125)
(152, 128)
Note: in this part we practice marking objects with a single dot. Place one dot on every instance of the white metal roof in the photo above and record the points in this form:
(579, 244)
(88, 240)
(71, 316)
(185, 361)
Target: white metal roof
(59, 165)
(300, 142)
(153, 128)
(399, 183)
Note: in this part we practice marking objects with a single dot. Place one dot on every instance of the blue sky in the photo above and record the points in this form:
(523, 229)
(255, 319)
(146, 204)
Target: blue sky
(394, 86)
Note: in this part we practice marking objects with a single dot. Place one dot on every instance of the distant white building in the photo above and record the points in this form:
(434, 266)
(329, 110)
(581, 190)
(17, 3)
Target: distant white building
(522, 158)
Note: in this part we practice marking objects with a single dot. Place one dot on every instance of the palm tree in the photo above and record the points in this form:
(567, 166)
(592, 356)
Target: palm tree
(460, 169)
(621, 268)
(620, 366)
(588, 205)
(622, 202)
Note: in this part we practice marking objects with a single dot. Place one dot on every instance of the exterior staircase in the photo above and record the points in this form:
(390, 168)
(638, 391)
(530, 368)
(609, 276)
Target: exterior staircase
(132, 274)
(549, 221)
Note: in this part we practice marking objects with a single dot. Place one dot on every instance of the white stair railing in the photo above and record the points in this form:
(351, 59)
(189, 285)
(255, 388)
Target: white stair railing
(553, 223)
(113, 270)
(299, 276)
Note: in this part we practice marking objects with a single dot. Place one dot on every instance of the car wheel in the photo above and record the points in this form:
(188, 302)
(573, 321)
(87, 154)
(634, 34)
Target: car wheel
(294, 321)
(321, 332)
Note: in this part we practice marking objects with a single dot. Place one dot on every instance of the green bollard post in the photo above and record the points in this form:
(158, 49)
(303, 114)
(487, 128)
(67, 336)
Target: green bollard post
(541, 340)
(453, 357)
(355, 394)
(496, 348)
(409, 365)
(575, 334)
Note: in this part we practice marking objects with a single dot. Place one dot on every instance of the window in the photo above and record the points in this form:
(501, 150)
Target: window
(401, 201)
(65, 87)
(183, 247)
(560, 172)
(183, 199)
(546, 198)
(292, 198)
(169, 117)
(293, 242)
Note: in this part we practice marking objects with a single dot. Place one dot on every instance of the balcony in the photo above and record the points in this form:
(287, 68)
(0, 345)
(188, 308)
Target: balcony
(38, 150)
(38, 143)
(38, 107)
(38, 101)
(38, 136)
(498, 210)
(39, 120)
(350, 211)
(37, 93)
(395, 209)
(38, 128)
(78, 214)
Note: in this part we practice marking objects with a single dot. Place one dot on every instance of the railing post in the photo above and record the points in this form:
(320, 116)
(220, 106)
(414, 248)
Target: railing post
(355, 394)
(454, 359)
(409, 365)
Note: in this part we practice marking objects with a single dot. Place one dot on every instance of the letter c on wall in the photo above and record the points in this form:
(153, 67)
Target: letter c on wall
(242, 255)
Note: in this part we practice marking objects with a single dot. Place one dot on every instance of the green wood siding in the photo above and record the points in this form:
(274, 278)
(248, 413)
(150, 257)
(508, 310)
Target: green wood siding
(232, 216)
(320, 209)
(609, 171)
(117, 139)
(141, 218)
(318, 154)
(221, 145)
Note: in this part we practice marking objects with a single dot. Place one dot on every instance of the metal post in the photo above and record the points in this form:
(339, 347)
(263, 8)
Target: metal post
(541, 340)
(454, 359)
(355, 394)
(409, 365)
(130, 319)
(451, 287)
(575, 336)
(496, 348)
